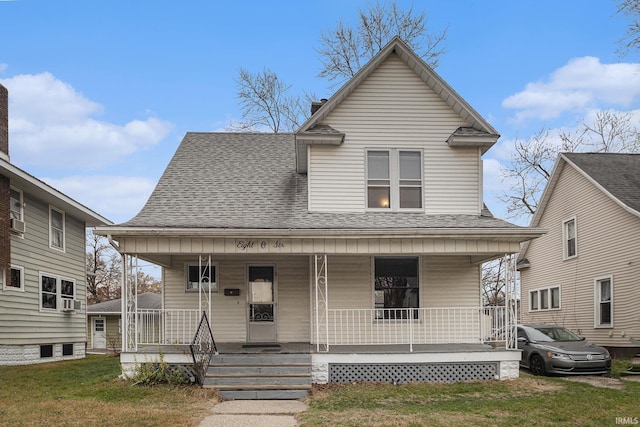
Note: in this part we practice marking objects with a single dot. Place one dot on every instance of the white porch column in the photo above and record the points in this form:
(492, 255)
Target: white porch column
(510, 301)
(322, 301)
(129, 302)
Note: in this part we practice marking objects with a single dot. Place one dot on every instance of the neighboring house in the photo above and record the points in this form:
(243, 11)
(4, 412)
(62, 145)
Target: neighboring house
(361, 235)
(42, 264)
(104, 321)
(585, 273)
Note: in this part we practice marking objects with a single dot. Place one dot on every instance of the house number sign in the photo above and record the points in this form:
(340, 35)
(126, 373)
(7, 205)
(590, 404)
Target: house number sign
(244, 245)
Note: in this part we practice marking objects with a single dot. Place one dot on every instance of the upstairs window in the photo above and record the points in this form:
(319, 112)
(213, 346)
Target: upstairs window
(16, 205)
(394, 179)
(56, 228)
(569, 233)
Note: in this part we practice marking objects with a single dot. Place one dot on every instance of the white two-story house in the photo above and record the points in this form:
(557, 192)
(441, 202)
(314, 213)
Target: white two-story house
(357, 239)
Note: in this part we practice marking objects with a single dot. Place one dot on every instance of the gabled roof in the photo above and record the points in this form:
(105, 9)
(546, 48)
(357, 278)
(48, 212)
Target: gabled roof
(484, 134)
(616, 175)
(226, 183)
(147, 300)
(48, 194)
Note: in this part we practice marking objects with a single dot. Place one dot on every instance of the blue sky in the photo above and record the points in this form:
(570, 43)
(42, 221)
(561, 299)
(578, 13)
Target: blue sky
(101, 93)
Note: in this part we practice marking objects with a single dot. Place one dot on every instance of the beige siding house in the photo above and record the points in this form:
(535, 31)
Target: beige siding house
(42, 265)
(585, 273)
(357, 240)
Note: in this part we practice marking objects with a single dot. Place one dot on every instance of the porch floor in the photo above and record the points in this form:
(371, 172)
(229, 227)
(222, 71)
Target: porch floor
(307, 348)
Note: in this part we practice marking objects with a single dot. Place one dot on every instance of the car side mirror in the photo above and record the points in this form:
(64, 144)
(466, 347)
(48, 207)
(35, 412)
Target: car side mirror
(523, 340)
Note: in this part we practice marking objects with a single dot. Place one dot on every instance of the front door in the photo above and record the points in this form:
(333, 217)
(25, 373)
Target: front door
(99, 333)
(261, 304)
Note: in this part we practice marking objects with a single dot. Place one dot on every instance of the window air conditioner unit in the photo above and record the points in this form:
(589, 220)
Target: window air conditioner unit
(77, 304)
(67, 304)
(17, 225)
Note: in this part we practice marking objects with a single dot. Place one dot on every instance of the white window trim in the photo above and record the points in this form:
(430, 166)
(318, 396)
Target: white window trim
(59, 296)
(373, 283)
(596, 302)
(64, 231)
(565, 247)
(6, 278)
(21, 201)
(394, 180)
(195, 264)
(539, 291)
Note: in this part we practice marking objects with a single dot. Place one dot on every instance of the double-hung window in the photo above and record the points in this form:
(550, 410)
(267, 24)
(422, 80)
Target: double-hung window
(604, 302)
(394, 179)
(56, 228)
(54, 289)
(569, 237)
(16, 205)
(396, 287)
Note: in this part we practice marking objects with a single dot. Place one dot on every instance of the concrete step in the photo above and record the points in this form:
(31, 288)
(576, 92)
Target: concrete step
(260, 376)
(263, 394)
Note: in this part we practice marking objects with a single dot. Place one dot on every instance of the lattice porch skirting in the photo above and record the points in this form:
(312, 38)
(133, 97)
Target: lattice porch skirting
(399, 373)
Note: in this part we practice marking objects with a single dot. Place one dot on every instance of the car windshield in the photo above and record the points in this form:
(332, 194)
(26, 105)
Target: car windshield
(559, 334)
(536, 335)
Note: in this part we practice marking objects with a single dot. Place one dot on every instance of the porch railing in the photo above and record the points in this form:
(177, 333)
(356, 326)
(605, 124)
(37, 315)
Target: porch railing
(452, 325)
(163, 326)
(203, 347)
(417, 326)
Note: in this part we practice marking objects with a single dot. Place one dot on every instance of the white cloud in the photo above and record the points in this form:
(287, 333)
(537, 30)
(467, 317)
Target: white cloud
(581, 84)
(51, 124)
(118, 198)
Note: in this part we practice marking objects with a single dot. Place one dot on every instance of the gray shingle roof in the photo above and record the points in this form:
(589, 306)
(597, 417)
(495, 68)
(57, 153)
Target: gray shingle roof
(249, 181)
(619, 174)
(147, 301)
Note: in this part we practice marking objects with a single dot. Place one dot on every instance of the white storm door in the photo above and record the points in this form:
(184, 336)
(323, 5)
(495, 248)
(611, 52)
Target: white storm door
(99, 333)
(261, 304)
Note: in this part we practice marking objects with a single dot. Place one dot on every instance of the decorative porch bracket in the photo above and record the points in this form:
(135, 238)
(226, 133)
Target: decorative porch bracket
(322, 302)
(204, 276)
(130, 302)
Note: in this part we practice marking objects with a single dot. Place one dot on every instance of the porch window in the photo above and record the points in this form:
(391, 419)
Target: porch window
(604, 302)
(396, 287)
(569, 233)
(56, 228)
(205, 274)
(394, 179)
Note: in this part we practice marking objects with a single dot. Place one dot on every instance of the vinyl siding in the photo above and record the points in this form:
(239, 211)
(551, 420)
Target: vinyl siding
(608, 243)
(21, 320)
(394, 108)
(229, 313)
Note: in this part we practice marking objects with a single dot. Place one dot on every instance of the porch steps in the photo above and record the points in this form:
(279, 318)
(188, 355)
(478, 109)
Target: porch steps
(260, 376)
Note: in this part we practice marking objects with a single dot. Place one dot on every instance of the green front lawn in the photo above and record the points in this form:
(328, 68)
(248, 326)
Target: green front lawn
(87, 392)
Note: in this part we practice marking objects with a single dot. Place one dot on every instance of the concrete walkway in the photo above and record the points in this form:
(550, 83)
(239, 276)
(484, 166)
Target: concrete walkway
(254, 413)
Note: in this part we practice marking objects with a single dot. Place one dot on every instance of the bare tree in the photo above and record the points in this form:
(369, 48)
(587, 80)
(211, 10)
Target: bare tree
(266, 103)
(527, 173)
(494, 285)
(344, 50)
(104, 269)
(631, 40)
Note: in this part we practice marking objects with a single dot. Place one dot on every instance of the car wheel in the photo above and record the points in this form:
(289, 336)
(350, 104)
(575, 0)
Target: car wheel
(536, 365)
